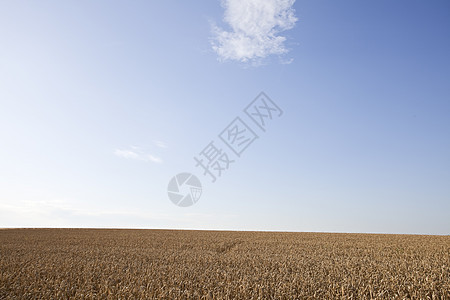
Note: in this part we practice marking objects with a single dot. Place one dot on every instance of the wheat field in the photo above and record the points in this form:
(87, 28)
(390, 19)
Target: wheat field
(175, 264)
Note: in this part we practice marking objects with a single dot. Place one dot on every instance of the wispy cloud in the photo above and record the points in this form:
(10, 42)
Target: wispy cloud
(137, 154)
(255, 25)
(160, 144)
(65, 213)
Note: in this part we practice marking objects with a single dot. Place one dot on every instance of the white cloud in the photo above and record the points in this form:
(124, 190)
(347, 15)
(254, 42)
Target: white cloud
(255, 25)
(137, 154)
(126, 154)
(160, 144)
(69, 213)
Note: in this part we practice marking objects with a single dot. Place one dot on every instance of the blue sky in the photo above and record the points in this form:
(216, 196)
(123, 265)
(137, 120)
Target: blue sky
(102, 103)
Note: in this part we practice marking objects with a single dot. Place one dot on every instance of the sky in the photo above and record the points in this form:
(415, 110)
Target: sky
(103, 103)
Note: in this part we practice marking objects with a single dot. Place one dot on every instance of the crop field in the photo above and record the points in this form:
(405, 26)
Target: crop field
(172, 264)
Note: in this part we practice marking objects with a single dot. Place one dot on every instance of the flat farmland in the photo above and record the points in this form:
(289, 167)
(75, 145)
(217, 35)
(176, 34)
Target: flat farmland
(176, 264)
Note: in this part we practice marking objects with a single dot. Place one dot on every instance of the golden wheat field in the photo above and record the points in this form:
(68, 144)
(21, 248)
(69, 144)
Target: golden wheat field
(171, 264)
